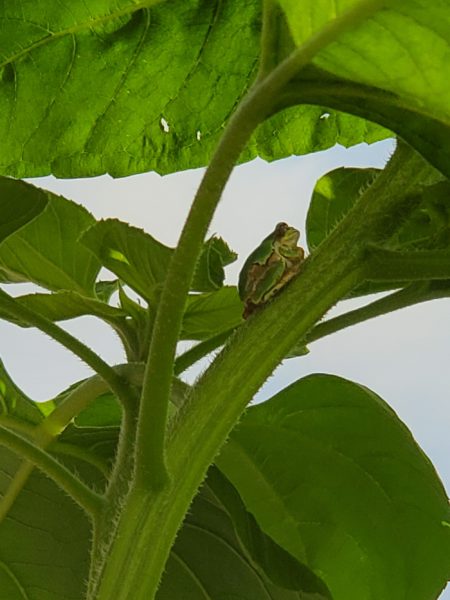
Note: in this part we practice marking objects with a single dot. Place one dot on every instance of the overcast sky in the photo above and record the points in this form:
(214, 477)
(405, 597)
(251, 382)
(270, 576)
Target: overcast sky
(404, 357)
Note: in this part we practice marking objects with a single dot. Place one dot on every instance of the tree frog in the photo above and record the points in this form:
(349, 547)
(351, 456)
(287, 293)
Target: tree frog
(270, 267)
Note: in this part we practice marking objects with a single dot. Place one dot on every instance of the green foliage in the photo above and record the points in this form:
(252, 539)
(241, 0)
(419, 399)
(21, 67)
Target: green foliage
(208, 315)
(44, 541)
(46, 251)
(14, 403)
(221, 550)
(209, 272)
(67, 127)
(334, 195)
(19, 204)
(392, 81)
(427, 227)
(63, 305)
(133, 255)
(323, 493)
(358, 496)
(162, 107)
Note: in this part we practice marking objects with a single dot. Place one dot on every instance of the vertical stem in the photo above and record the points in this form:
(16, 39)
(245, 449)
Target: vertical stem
(151, 467)
(150, 462)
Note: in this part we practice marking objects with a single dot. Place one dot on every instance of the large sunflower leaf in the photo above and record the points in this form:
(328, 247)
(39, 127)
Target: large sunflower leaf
(171, 74)
(334, 477)
(124, 87)
(44, 540)
(221, 552)
(392, 67)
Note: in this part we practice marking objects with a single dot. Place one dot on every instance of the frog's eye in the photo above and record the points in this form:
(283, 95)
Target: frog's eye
(281, 228)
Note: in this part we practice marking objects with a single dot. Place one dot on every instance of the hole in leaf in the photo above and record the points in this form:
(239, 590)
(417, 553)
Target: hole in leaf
(324, 116)
(164, 125)
(198, 135)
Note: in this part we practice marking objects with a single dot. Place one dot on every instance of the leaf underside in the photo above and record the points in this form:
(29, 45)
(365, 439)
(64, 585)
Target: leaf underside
(98, 89)
(335, 478)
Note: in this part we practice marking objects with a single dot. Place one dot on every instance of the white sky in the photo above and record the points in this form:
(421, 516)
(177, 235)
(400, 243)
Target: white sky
(403, 356)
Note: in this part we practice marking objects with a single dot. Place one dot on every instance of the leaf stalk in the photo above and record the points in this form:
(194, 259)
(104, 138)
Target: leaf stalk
(97, 364)
(89, 500)
(414, 293)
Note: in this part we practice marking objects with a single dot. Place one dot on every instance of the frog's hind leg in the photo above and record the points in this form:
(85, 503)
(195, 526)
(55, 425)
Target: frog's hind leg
(266, 286)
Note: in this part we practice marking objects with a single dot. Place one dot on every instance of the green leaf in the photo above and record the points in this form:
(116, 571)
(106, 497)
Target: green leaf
(64, 305)
(54, 63)
(335, 478)
(281, 568)
(303, 126)
(426, 228)
(391, 67)
(15, 403)
(179, 392)
(142, 262)
(105, 289)
(210, 559)
(334, 194)
(209, 274)
(133, 255)
(105, 411)
(47, 252)
(209, 314)
(20, 203)
(299, 349)
(44, 541)
(99, 439)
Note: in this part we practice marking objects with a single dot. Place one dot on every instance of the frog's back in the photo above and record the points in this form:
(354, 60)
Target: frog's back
(259, 256)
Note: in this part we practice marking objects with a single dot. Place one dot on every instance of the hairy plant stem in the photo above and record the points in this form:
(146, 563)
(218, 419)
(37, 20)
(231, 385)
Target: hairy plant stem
(118, 486)
(150, 452)
(151, 465)
(420, 265)
(140, 550)
(414, 293)
(24, 314)
(160, 495)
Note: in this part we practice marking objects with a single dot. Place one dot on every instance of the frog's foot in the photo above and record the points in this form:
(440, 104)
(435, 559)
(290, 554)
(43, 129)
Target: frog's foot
(249, 309)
